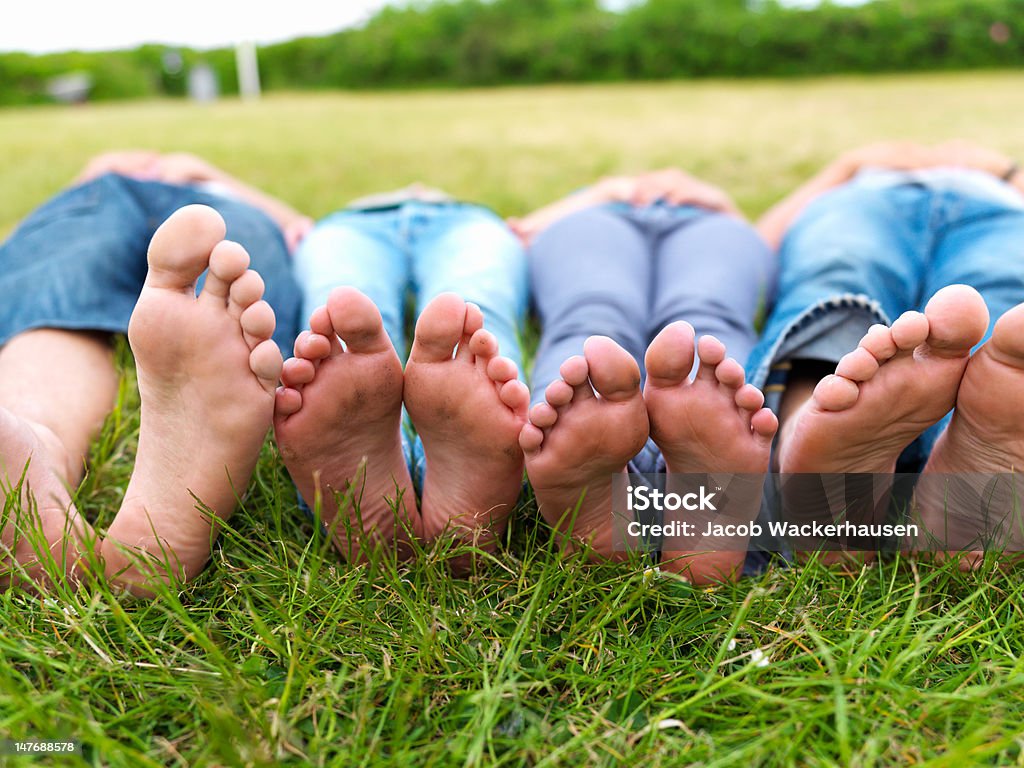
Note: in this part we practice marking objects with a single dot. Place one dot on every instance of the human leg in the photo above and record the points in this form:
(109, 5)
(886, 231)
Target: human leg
(715, 273)
(356, 249)
(338, 415)
(591, 276)
(469, 251)
(207, 370)
(69, 276)
(973, 457)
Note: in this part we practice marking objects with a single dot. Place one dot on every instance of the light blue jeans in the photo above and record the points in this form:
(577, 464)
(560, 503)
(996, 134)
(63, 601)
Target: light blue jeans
(864, 254)
(419, 250)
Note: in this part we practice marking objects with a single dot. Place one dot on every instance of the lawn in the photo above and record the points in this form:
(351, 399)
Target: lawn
(282, 654)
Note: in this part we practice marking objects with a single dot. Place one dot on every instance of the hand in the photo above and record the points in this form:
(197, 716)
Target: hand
(677, 187)
(895, 155)
(967, 154)
(613, 189)
(184, 168)
(295, 232)
(137, 163)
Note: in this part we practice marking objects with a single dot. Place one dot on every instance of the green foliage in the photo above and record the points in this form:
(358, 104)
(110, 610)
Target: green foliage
(490, 42)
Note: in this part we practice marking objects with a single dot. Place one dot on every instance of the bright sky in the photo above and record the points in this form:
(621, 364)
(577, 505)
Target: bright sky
(61, 25)
(41, 26)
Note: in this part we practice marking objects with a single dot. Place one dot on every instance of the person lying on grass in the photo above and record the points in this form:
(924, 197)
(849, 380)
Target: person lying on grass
(455, 465)
(644, 284)
(897, 339)
(73, 274)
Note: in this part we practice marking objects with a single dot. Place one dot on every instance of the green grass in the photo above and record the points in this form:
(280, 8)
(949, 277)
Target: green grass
(281, 654)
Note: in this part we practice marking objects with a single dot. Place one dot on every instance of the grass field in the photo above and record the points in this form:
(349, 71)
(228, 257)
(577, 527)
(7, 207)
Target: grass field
(281, 654)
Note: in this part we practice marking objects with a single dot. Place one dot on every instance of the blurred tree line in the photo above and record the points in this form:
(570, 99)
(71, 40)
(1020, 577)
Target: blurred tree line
(492, 42)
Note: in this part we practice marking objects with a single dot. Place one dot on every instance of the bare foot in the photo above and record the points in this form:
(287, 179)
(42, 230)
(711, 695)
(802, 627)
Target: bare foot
(897, 383)
(32, 457)
(714, 424)
(593, 423)
(207, 372)
(338, 425)
(984, 437)
(468, 407)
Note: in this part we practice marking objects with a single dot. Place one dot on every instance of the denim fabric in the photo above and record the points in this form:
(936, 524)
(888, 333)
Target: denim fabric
(626, 273)
(864, 253)
(426, 249)
(79, 261)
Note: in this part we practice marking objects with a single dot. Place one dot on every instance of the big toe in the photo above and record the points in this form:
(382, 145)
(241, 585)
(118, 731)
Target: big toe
(957, 319)
(357, 321)
(180, 249)
(669, 358)
(439, 329)
(1008, 337)
(613, 371)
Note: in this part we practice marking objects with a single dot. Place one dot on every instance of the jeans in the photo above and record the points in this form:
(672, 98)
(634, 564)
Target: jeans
(78, 262)
(425, 249)
(627, 272)
(864, 254)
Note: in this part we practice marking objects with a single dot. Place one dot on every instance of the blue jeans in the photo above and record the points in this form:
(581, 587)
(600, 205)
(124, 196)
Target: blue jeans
(424, 249)
(862, 254)
(78, 262)
(627, 272)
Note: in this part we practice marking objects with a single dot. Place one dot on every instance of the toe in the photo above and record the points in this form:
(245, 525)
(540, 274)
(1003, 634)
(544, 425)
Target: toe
(474, 319)
(244, 292)
(266, 362)
(530, 439)
(439, 329)
(356, 319)
(957, 320)
(472, 325)
(730, 374)
(669, 358)
(764, 423)
(749, 398)
(180, 249)
(574, 371)
(910, 330)
(1007, 342)
(484, 346)
(320, 322)
(859, 365)
(559, 393)
(257, 323)
(543, 415)
(501, 369)
(313, 346)
(834, 393)
(711, 352)
(613, 371)
(878, 341)
(297, 372)
(287, 401)
(516, 396)
(228, 262)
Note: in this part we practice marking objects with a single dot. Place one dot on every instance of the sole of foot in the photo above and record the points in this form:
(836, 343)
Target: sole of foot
(898, 382)
(715, 423)
(593, 421)
(338, 423)
(48, 537)
(468, 407)
(984, 437)
(207, 372)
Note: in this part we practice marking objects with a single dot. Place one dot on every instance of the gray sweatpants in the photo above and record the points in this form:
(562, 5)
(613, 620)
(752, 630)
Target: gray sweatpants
(627, 272)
